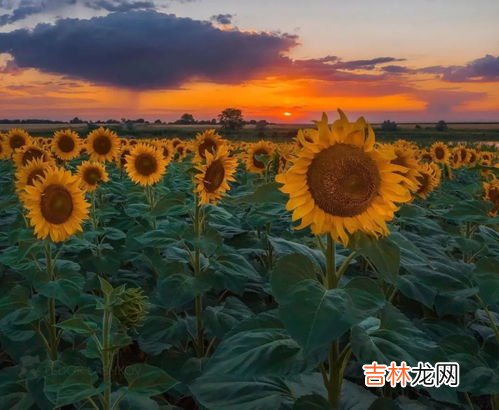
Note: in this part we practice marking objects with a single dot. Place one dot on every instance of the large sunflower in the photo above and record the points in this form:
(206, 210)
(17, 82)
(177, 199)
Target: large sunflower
(28, 153)
(103, 145)
(145, 165)
(91, 174)
(340, 183)
(212, 180)
(56, 205)
(207, 141)
(429, 178)
(17, 138)
(440, 153)
(66, 144)
(259, 153)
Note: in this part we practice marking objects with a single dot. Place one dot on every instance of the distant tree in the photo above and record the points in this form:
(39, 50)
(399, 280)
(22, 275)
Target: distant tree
(261, 125)
(158, 122)
(186, 119)
(231, 118)
(441, 126)
(389, 126)
(76, 120)
(418, 127)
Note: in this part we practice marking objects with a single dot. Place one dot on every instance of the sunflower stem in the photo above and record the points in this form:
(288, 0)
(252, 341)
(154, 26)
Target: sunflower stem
(198, 307)
(107, 356)
(336, 361)
(489, 315)
(52, 318)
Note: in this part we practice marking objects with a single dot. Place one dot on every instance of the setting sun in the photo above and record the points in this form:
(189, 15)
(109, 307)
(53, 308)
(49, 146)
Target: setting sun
(287, 114)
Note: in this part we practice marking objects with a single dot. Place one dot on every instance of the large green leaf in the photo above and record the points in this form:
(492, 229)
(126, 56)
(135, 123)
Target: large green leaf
(314, 315)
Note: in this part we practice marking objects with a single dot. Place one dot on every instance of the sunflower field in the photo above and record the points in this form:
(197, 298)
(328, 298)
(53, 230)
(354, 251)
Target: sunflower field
(224, 275)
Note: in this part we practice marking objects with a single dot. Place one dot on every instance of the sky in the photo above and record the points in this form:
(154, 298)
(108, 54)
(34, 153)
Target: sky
(281, 60)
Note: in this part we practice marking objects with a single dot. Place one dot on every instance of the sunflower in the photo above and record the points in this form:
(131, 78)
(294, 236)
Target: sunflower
(256, 155)
(404, 155)
(212, 180)
(90, 174)
(473, 157)
(28, 153)
(340, 183)
(164, 146)
(27, 175)
(5, 150)
(181, 151)
(56, 205)
(145, 165)
(429, 179)
(207, 141)
(455, 158)
(17, 138)
(103, 145)
(485, 158)
(66, 145)
(491, 193)
(440, 153)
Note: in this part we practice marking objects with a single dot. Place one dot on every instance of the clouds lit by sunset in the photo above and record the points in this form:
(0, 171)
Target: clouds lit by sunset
(287, 61)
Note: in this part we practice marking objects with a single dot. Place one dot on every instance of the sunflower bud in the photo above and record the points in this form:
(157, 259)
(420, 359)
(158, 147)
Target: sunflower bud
(133, 309)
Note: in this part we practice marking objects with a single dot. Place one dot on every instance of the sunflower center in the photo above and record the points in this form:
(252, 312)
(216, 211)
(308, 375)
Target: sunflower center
(35, 174)
(207, 145)
(31, 154)
(257, 163)
(91, 176)
(439, 153)
(66, 143)
(102, 145)
(343, 180)
(56, 204)
(214, 176)
(16, 141)
(146, 164)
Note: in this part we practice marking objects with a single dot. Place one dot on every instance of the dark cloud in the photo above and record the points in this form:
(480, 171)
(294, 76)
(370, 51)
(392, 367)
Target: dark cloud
(482, 70)
(29, 8)
(224, 19)
(146, 50)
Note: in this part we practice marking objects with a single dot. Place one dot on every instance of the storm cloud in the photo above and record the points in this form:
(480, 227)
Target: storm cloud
(145, 50)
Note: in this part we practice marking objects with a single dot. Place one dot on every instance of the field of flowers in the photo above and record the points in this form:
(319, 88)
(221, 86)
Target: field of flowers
(222, 275)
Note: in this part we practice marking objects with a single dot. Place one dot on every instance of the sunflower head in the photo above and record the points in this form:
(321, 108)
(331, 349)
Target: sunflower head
(17, 138)
(213, 176)
(102, 145)
(340, 183)
(207, 141)
(91, 174)
(31, 172)
(66, 144)
(28, 153)
(491, 193)
(440, 153)
(56, 205)
(5, 150)
(145, 165)
(258, 155)
(429, 178)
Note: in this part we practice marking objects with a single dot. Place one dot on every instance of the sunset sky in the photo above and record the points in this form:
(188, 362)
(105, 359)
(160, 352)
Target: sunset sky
(283, 60)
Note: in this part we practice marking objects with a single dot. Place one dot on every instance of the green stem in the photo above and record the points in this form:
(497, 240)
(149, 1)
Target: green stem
(106, 354)
(199, 343)
(468, 400)
(52, 318)
(333, 380)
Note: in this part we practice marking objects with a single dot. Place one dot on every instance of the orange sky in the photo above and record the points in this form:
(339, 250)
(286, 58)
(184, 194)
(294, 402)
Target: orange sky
(301, 79)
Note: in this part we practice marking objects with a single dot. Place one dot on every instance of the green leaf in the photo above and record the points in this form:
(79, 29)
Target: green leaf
(311, 402)
(383, 253)
(148, 380)
(78, 325)
(71, 384)
(315, 316)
